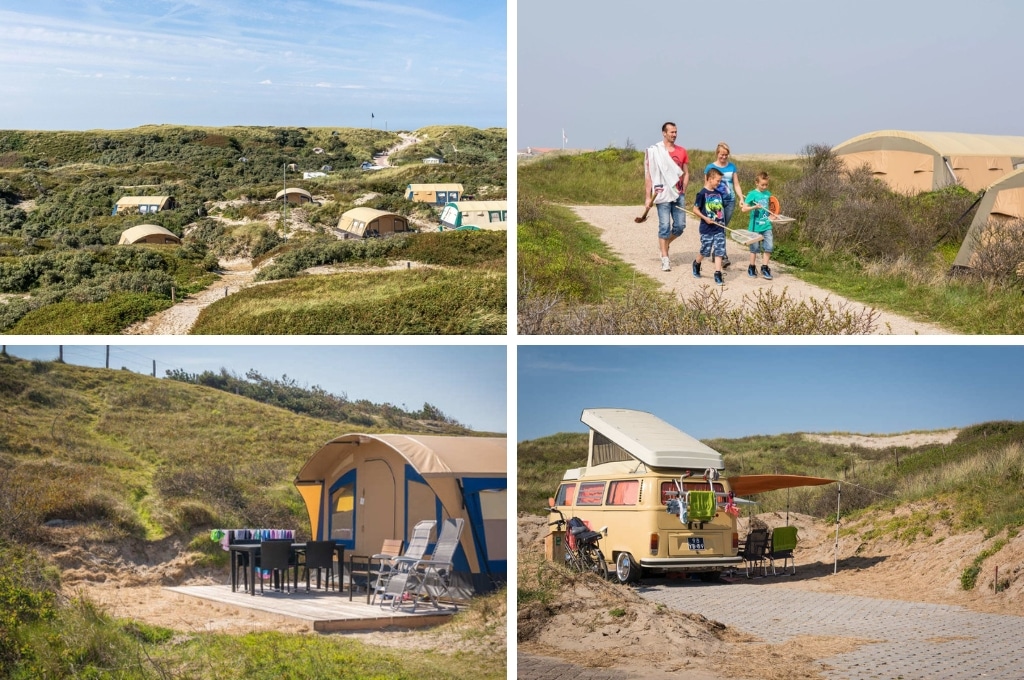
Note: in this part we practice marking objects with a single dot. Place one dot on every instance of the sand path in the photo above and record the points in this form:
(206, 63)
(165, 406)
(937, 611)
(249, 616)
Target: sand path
(637, 245)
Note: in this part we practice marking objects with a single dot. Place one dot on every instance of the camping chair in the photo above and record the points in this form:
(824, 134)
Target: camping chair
(319, 556)
(781, 546)
(276, 557)
(372, 566)
(388, 564)
(755, 550)
(410, 580)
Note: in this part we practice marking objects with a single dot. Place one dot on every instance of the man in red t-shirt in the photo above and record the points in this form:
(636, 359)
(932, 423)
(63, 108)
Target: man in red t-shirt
(666, 176)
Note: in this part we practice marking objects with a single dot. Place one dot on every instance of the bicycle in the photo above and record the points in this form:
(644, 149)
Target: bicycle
(582, 552)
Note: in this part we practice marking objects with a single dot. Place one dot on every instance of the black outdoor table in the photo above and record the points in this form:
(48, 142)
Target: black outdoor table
(253, 551)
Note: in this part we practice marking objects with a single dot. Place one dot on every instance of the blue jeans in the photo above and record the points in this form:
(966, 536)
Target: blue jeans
(728, 206)
(671, 217)
(765, 246)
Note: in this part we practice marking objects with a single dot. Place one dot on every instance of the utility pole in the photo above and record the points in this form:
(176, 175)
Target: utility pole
(108, 357)
(284, 206)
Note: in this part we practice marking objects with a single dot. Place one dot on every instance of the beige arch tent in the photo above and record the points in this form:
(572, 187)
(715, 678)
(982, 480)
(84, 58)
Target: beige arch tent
(365, 222)
(435, 194)
(361, 489)
(1002, 202)
(147, 233)
(911, 162)
(294, 195)
(490, 215)
(143, 204)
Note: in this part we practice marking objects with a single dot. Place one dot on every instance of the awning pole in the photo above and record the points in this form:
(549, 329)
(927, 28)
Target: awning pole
(839, 495)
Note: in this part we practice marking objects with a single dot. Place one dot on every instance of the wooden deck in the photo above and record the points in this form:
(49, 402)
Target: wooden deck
(325, 611)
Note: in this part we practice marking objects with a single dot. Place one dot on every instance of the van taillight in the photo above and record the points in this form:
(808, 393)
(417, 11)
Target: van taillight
(654, 544)
(735, 541)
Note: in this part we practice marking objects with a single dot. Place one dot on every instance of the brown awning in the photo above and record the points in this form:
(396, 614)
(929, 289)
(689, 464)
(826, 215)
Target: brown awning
(746, 485)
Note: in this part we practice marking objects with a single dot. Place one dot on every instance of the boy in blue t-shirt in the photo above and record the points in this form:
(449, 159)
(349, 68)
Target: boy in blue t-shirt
(756, 203)
(709, 208)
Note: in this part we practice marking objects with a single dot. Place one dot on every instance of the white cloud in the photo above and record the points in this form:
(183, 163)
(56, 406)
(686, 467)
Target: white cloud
(266, 82)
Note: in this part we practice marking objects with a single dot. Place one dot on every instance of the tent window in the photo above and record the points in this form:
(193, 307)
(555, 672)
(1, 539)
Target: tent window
(624, 492)
(494, 509)
(494, 216)
(607, 451)
(566, 492)
(343, 513)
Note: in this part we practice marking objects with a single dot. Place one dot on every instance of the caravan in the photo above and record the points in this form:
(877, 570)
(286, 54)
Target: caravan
(655, 494)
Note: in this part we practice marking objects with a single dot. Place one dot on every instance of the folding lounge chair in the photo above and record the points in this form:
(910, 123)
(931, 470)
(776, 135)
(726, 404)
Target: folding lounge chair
(755, 550)
(411, 580)
(781, 546)
(392, 565)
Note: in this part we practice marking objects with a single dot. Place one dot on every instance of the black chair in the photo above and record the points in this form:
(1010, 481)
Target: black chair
(277, 558)
(755, 550)
(242, 562)
(319, 556)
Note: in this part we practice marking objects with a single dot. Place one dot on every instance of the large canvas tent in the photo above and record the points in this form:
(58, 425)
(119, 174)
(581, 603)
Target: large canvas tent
(1002, 202)
(143, 205)
(364, 222)
(294, 195)
(361, 489)
(147, 233)
(910, 162)
(490, 215)
(435, 194)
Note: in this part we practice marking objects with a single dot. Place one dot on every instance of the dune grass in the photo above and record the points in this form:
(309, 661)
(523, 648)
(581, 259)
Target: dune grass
(108, 317)
(420, 301)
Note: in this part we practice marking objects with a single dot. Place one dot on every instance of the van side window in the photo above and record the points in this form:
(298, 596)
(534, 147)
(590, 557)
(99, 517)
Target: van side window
(668, 489)
(566, 492)
(624, 492)
(591, 493)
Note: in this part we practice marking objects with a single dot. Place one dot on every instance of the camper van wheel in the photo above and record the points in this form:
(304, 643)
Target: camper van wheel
(626, 568)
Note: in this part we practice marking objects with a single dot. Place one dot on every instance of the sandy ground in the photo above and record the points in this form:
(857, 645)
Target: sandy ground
(637, 244)
(868, 441)
(407, 141)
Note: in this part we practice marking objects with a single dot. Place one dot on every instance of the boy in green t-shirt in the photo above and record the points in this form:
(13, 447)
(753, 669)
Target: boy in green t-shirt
(756, 203)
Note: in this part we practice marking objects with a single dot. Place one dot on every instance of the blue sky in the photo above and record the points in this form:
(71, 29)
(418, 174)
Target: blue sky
(466, 383)
(745, 390)
(119, 63)
(766, 77)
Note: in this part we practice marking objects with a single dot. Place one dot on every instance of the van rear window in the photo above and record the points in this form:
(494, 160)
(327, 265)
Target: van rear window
(623, 492)
(566, 493)
(668, 489)
(591, 493)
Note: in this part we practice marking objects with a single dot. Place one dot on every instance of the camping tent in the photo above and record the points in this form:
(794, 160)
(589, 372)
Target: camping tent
(925, 161)
(363, 222)
(294, 195)
(1002, 202)
(361, 489)
(435, 194)
(147, 233)
(143, 204)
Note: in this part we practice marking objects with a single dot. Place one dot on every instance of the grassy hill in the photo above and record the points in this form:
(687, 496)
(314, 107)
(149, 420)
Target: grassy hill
(851, 235)
(978, 476)
(57, 191)
(100, 467)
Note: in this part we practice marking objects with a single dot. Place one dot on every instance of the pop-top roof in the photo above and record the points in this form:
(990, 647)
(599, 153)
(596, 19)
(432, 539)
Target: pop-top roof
(651, 440)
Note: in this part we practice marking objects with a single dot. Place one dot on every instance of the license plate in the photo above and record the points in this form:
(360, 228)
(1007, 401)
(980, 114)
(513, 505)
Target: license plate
(695, 543)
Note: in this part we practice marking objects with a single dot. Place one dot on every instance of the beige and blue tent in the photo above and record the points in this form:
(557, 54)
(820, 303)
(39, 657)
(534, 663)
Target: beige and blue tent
(361, 489)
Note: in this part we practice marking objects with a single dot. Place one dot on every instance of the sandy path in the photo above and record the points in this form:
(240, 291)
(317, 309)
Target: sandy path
(637, 245)
(407, 141)
(179, 319)
(909, 439)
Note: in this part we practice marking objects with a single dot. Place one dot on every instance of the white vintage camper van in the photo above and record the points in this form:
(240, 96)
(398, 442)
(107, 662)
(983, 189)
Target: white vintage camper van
(655, 493)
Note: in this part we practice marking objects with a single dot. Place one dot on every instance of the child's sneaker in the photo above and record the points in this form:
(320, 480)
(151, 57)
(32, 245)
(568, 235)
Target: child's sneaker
(718, 279)
(696, 269)
(752, 271)
(666, 266)
(726, 262)
(765, 272)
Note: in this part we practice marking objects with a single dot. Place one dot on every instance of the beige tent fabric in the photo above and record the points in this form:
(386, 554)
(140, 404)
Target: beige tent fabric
(295, 195)
(161, 202)
(976, 160)
(147, 233)
(427, 193)
(1003, 201)
(431, 455)
(480, 213)
(363, 221)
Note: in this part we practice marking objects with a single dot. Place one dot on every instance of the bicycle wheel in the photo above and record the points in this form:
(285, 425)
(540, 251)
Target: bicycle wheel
(573, 560)
(594, 561)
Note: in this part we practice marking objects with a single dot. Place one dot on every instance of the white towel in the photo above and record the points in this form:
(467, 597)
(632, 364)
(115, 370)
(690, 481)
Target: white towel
(664, 171)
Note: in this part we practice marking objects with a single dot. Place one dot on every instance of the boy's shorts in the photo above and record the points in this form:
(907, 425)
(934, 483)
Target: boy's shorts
(765, 246)
(712, 245)
(671, 217)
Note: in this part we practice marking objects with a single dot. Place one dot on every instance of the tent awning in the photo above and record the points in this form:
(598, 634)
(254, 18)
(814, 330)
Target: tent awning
(746, 485)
